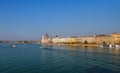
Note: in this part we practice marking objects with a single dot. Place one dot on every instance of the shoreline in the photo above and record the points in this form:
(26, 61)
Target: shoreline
(83, 45)
(75, 45)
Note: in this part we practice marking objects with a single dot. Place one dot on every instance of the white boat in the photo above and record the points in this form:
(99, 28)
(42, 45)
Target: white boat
(14, 46)
(109, 46)
(117, 46)
(106, 46)
(46, 47)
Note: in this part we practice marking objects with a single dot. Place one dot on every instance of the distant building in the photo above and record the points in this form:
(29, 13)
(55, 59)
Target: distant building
(116, 38)
(69, 40)
(96, 39)
(89, 39)
(100, 39)
(60, 40)
(46, 39)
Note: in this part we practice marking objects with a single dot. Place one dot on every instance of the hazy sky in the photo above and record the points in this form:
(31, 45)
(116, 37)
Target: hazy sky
(30, 19)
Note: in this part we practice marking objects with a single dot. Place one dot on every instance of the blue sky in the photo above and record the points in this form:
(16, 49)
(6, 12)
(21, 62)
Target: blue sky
(30, 19)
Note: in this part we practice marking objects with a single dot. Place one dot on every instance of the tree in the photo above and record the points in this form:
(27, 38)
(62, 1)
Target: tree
(85, 42)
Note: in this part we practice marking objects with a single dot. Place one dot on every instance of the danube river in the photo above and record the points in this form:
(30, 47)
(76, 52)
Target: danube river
(32, 58)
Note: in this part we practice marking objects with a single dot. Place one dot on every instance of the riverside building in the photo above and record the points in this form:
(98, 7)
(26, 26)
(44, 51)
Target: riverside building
(113, 38)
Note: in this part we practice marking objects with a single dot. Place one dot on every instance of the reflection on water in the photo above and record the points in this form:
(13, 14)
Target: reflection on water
(30, 58)
(114, 50)
(100, 70)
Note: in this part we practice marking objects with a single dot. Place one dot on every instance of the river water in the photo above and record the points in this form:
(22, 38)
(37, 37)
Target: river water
(32, 58)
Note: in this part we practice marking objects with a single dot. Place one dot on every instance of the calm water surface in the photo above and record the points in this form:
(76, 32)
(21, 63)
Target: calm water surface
(31, 58)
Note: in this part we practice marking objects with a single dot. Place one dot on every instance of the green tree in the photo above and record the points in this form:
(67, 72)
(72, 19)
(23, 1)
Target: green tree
(85, 42)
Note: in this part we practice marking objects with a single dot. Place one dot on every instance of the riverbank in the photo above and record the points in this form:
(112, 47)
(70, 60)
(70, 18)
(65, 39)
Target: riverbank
(83, 45)
(75, 45)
